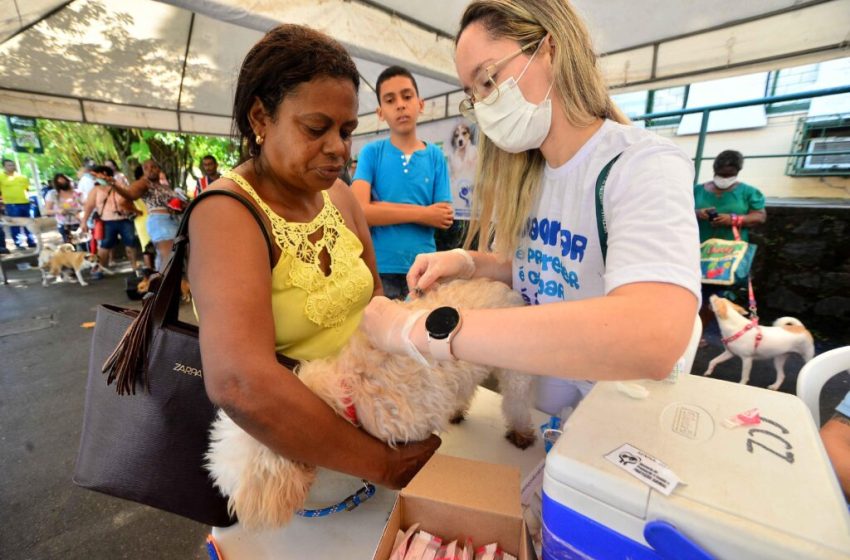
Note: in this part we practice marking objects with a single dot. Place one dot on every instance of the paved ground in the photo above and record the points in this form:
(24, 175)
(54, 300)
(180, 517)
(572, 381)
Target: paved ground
(43, 365)
(43, 368)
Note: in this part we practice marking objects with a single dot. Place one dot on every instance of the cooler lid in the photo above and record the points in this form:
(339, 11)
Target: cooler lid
(776, 473)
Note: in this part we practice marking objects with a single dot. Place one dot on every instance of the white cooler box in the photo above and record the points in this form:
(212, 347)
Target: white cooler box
(749, 492)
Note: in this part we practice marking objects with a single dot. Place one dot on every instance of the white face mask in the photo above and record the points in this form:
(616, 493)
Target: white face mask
(724, 183)
(511, 122)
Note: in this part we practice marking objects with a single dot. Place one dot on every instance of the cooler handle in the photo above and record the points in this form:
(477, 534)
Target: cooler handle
(670, 544)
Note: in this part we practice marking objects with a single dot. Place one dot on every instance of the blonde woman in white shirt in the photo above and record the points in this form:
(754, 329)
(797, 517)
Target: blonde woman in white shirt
(549, 129)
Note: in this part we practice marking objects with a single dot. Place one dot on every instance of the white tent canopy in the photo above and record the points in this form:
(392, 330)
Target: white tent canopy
(171, 65)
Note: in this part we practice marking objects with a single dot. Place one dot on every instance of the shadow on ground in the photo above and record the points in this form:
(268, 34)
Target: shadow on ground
(45, 353)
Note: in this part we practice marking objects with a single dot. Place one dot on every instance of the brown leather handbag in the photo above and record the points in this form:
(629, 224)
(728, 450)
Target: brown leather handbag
(144, 438)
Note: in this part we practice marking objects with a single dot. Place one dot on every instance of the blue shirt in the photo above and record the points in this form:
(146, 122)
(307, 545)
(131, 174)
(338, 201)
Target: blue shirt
(844, 406)
(421, 179)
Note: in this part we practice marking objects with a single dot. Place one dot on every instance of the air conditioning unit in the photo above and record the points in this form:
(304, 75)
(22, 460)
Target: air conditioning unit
(819, 156)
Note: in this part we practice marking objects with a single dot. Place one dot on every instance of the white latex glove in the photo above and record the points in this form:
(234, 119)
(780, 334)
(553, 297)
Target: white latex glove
(387, 325)
(430, 267)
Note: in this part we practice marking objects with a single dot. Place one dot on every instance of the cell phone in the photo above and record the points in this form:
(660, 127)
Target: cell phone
(712, 214)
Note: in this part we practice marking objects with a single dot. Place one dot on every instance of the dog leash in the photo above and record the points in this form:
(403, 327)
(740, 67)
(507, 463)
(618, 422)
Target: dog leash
(347, 504)
(750, 293)
(754, 321)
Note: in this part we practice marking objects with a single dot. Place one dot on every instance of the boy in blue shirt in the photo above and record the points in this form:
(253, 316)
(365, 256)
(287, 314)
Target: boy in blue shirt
(402, 183)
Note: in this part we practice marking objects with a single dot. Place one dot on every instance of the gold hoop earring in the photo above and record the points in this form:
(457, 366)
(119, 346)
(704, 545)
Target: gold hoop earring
(259, 140)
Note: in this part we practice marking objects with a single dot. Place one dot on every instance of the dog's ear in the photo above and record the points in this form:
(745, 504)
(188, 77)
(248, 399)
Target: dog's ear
(738, 308)
(720, 308)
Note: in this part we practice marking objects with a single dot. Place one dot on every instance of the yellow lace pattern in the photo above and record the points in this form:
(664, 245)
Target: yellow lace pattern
(329, 298)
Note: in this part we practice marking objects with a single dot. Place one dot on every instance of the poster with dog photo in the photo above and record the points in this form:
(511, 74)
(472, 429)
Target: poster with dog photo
(458, 140)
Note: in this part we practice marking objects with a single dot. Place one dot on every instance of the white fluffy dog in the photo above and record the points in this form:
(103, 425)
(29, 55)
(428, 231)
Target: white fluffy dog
(749, 342)
(396, 399)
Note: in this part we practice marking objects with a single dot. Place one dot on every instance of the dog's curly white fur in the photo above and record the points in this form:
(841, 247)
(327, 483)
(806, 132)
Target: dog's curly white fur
(396, 398)
(787, 335)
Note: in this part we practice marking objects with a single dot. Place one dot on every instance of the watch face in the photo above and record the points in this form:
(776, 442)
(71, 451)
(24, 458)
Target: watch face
(441, 322)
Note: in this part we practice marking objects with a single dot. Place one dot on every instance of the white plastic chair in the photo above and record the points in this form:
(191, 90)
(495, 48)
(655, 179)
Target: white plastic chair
(814, 375)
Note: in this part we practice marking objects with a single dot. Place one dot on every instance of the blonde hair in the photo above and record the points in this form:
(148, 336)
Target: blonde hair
(508, 184)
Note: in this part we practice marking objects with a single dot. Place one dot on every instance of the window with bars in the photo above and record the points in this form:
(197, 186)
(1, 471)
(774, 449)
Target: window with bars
(791, 80)
(639, 103)
(823, 145)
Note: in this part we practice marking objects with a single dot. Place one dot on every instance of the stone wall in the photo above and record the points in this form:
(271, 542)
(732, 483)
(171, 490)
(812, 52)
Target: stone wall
(802, 266)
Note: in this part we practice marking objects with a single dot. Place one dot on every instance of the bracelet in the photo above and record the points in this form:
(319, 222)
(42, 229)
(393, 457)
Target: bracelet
(737, 221)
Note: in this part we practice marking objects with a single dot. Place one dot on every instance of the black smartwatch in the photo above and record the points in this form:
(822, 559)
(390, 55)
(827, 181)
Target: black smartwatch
(442, 324)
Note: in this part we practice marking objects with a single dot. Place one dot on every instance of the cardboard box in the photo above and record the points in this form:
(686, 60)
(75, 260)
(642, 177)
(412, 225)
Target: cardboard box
(456, 498)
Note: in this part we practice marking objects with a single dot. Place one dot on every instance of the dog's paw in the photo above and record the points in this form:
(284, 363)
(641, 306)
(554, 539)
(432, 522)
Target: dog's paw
(522, 440)
(774, 386)
(458, 417)
(83, 283)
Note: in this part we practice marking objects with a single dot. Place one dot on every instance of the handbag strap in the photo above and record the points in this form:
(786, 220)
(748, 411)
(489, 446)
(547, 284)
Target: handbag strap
(167, 303)
(129, 359)
(754, 313)
(601, 225)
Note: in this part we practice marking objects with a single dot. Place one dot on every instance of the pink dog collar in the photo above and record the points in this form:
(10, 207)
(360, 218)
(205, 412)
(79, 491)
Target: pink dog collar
(350, 411)
(754, 324)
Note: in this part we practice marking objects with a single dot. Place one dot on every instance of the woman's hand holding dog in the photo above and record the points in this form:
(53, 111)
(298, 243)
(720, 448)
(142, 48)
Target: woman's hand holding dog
(431, 267)
(405, 461)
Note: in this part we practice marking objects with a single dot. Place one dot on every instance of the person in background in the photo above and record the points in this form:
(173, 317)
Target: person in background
(13, 191)
(46, 187)
(295, 108)
(65, 204)
(163, 219)
(549, 130)
(209, 166)
(119, 177)
(835, 435)
(3, 249)
(117, 214)
(401, 183)
(85, 179)
(720, 204)
(85, 184)
(141, 223)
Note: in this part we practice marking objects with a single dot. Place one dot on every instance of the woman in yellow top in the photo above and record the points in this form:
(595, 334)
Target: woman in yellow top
(295, 108)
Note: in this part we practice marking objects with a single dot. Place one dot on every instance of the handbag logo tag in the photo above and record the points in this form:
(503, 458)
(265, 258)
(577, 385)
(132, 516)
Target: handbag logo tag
(188, 370)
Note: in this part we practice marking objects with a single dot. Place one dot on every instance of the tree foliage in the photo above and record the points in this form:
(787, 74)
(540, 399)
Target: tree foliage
(66, 144)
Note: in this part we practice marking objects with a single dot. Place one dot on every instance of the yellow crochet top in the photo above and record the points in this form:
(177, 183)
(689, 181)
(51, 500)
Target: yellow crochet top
(314, 314)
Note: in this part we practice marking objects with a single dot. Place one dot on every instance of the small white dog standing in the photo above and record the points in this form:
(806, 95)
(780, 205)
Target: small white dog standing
(750, 341)
(394, 398)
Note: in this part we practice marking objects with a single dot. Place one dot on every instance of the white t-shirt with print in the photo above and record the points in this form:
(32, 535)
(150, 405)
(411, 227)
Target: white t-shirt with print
(649, 211)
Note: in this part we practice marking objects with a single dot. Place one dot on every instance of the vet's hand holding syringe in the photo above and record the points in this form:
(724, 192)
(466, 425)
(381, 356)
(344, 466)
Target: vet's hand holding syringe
(587, 339)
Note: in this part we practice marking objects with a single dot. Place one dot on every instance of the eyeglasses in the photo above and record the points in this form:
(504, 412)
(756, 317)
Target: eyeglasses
(483, 84)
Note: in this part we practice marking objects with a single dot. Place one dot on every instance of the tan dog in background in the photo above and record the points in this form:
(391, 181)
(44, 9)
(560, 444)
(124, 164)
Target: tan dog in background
(787, 335)
(394, 398)
(51, 261)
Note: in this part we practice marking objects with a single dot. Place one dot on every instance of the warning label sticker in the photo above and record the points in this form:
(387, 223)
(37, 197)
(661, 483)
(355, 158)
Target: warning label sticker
(645, 468)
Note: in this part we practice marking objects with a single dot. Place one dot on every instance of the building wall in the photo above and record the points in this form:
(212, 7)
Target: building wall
(768, 174)
(802, 267)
